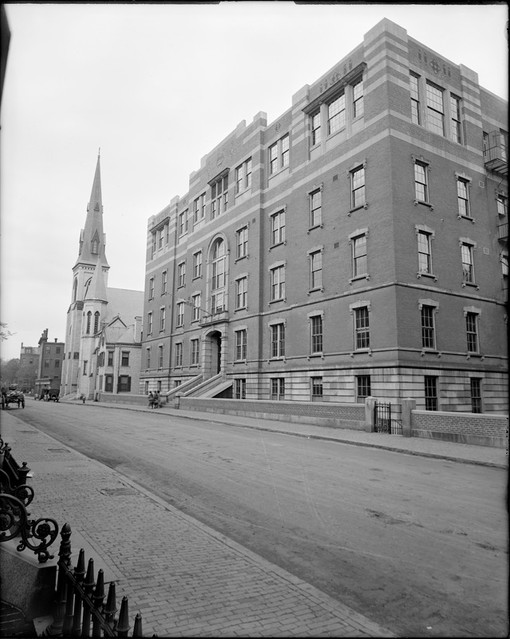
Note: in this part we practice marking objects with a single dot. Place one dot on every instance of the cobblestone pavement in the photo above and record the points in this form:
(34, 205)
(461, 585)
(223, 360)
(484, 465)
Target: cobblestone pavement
(185, 578)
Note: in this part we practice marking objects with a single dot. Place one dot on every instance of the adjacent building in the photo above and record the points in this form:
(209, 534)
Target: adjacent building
(355, 246)
(49, 368)
(28, 364)
(100, 320)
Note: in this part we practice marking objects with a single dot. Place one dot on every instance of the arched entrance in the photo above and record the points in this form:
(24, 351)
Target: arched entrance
(213, 353)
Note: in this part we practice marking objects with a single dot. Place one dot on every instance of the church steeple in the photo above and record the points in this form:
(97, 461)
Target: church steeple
(92, 238)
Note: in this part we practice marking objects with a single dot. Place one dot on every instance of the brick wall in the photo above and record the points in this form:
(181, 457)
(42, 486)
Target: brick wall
(469, 428)
(336, 415)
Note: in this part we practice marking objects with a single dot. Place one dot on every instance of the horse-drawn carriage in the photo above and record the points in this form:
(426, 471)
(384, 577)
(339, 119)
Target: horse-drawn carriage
(12, 396)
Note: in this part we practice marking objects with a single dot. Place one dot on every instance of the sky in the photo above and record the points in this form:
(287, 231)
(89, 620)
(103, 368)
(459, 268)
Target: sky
(156, 87)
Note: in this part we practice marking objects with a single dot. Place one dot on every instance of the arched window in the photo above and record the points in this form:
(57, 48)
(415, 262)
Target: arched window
(87, 284)
(89, 317)
(96, 321)
(75, 289)
(218, 276)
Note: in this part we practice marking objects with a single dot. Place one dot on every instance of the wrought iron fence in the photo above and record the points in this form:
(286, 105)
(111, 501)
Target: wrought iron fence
(81, 610)
(383, 420)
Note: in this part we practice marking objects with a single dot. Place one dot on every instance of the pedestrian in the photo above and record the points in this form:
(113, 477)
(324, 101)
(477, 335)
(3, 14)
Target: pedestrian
(156, 399)
(151, 400)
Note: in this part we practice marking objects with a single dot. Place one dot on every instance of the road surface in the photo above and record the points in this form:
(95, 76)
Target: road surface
(418, 545)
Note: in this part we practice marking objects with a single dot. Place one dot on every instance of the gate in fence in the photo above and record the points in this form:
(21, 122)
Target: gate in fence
(383, 421)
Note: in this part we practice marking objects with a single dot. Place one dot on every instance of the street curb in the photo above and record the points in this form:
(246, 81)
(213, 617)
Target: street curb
(393, 449)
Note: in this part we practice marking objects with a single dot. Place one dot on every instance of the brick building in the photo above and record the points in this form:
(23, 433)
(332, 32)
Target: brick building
(49, 369)
(27, 372)
(355, 246)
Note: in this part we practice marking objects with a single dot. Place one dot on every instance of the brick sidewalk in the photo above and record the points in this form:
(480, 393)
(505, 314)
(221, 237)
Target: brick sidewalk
(185, 578)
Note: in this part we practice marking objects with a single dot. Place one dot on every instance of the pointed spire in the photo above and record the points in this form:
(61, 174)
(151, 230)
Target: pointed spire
(92, 239)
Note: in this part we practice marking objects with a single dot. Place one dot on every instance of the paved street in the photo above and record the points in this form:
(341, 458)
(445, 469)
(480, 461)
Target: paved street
(393, 538)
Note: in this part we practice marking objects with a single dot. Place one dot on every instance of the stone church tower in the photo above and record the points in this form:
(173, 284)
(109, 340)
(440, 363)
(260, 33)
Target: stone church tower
(89, 299)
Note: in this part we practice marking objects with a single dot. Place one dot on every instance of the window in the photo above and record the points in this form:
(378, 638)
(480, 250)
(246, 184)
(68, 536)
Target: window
(149, 323)
(161, 234)
(455, 123)
(278, 227)
(241, 340)
(124, 384)
(178, 354)
(85, 362)
(277, 340)
(277, 283)
(316, 384)
(125, 358)
(435, 109)
(199, 209)
(241, 292)
(181, 274)
(315, 122)
(194, 352)
(363, 388)
(316, 334)
(315, 208)
(357, 99)
(421, 188)
(503, 258)
(277, 388)
(463, 197)
(94, 249)
(180, 313)
(415, 98)
(89, 319)
(336, 114)
(502, 204)
(424, 253)
(153, 243)
(430, 392)
(148, 358)
(162, 318)
(279, 155)
(164, 282)
(359, 256)
(183, 222)
(160, 356)
(219, 196)
(243, 176)
(358, 187)
(47, 363)
(218, 277)
(242, 243)
(428, 337)
(196, 301)
(197, 264)
(472, 332)
(315, 270)
(96, 322)
(110, 358)
(476, 394)
(361, 327)
(240, 388)
(468, 274)
(151, 288)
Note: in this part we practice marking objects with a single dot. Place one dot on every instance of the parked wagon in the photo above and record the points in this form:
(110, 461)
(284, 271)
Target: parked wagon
(12, 396)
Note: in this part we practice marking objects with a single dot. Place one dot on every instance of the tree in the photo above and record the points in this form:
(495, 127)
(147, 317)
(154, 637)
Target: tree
(9, 371)
(4, 332)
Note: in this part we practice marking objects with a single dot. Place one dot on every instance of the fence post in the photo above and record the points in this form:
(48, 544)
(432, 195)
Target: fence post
(408, 405)
(369, 414)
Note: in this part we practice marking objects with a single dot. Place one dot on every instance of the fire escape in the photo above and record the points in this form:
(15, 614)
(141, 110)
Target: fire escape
(496, 162)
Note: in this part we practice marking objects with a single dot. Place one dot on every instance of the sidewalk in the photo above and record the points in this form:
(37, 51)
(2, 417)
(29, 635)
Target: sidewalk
(465, 453)
(183, 577)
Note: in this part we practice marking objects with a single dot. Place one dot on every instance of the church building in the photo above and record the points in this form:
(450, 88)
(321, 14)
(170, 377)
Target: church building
(103, 331)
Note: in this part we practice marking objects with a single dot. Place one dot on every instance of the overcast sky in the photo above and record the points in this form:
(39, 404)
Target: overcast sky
(156, 87)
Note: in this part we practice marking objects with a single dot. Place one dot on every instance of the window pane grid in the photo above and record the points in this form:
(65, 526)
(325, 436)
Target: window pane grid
(359, 255)
(316, 328)
(472, 332)
(361, 319)
(336, 114)
(427, 327)
(430, 393)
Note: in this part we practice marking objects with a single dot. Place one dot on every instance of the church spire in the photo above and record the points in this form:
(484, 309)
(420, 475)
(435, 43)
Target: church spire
(92, 239)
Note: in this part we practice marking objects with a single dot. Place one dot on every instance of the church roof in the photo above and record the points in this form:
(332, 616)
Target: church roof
(125, 303)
